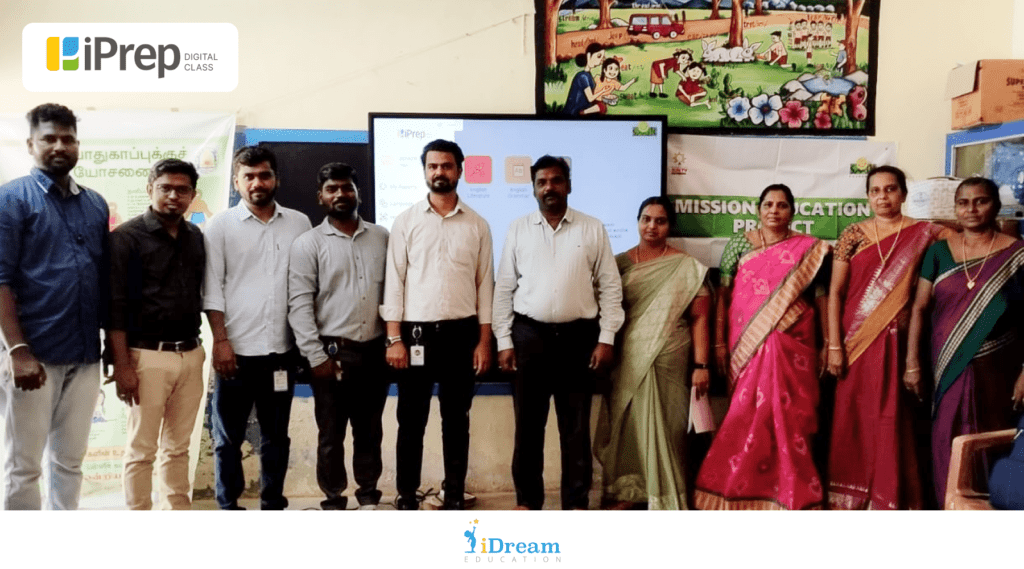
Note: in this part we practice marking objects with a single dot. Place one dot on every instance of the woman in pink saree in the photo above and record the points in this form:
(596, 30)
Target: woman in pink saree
(872, 459)
(761, 457)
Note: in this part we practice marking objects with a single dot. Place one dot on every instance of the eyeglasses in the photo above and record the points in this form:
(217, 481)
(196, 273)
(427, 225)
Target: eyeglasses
(168, 188)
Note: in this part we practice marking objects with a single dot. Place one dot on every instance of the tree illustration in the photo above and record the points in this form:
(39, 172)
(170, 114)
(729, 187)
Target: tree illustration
(550, 29)
(714, 10)
(605, 20)
(759, 7)
(736, 25)
(853, 11)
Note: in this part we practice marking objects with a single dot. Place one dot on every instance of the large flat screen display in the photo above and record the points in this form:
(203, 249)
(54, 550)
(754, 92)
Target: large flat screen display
(615, 163)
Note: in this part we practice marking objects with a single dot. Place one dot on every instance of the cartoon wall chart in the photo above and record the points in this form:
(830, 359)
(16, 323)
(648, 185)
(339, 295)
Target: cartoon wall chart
(800, 67)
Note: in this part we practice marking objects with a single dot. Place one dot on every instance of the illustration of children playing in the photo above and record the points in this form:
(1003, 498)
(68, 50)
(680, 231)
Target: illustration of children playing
(690, 90)
(776, 53)
(582, 98)
(660, 68)
(471, 538)
(609, 81)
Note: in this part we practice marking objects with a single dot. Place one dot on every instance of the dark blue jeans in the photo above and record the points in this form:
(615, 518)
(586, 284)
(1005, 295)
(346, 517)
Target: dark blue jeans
(233, 400)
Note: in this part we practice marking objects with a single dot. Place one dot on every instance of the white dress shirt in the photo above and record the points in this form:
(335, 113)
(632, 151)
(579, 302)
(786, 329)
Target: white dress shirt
(439, 268)
(247, 276)
(557, 275)
(335, 286)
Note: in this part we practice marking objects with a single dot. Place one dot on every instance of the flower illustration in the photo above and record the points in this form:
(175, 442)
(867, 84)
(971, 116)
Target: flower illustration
(794, 113)
(734, 462)
(765, 109)
(859, 112)
(823, 120)
(858, 95)
(761, 287)
(738, 108)
(801, 362)
(832, 105)
(760, 398)
(786, 257)
(800, 445)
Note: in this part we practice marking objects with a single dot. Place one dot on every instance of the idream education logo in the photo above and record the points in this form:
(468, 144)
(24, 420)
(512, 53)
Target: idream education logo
(508, 549)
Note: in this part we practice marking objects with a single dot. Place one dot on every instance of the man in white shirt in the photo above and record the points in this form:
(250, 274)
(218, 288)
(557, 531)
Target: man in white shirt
(557, 307)
(437, 307)
(335, 288)
(246, 302)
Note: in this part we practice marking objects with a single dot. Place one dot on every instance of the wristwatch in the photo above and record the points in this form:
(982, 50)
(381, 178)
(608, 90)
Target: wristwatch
(391, 341)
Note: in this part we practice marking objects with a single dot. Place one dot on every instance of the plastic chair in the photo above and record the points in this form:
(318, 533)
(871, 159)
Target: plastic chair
(963, 489)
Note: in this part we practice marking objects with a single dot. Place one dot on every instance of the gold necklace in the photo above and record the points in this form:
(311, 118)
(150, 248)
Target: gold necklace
(963, 250)
(878, 240)
(636, 254)
(764, 244)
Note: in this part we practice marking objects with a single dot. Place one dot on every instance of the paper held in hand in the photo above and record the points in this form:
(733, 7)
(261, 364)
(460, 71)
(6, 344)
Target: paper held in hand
(702, 420)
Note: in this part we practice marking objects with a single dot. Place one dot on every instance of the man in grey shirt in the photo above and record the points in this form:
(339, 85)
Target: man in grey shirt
(335, 287)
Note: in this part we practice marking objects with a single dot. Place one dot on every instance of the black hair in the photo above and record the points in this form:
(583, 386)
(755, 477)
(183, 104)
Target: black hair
(336, 171)
(778, 188)
(173, 166)
(548, 161)
(655, 200)
(901, 178)
(252, 156)
(696, 64)
(581, 59)
(51, 112)
(990, 187)
(441, 145)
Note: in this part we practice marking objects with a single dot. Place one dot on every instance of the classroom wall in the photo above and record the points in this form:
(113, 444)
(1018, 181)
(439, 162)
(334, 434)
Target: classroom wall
(324, 65)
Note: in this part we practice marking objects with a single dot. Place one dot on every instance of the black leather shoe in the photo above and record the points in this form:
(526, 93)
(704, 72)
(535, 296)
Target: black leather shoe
(454, 505)
(407, 503)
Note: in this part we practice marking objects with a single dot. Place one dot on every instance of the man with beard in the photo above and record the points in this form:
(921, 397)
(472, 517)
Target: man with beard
(557, 307)
(437, 306)
(335, 286)
(53, 246)
(254, 354)
(157, 261)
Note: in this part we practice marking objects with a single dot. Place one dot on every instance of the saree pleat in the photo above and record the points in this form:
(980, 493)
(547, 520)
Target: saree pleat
(761, 456)
(642, 426)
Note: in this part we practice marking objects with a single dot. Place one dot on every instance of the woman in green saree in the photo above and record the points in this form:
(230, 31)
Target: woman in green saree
(643, 423)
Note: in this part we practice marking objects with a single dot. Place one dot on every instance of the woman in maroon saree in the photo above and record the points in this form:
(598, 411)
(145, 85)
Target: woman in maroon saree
(976, 279)
(761, 456)
(872, 458)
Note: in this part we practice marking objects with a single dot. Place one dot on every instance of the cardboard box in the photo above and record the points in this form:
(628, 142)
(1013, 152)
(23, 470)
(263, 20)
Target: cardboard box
(988, 91)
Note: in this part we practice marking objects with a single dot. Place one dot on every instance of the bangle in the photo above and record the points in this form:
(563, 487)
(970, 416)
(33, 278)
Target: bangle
(836, 348)
(16, 346)
(721, 346)
(915, 370)
(221, 340)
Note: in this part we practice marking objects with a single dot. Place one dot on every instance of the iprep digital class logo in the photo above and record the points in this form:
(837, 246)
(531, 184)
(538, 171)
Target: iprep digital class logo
(109, 58)
(508, 549)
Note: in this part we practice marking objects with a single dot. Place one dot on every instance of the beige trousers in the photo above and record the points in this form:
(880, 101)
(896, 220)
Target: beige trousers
(170, 390)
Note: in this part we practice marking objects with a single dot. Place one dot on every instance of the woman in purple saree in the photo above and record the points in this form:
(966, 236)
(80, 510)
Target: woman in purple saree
(977, 283)
(761, 456)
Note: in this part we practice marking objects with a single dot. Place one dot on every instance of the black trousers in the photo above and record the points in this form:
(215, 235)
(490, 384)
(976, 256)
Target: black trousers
(357, 398)
(553, 360)
(448, 362)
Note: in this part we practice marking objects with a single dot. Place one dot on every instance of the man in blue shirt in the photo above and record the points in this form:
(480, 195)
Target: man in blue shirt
(53, 249)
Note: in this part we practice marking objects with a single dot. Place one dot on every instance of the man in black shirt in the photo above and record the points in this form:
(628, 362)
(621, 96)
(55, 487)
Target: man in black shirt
(156, 272)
